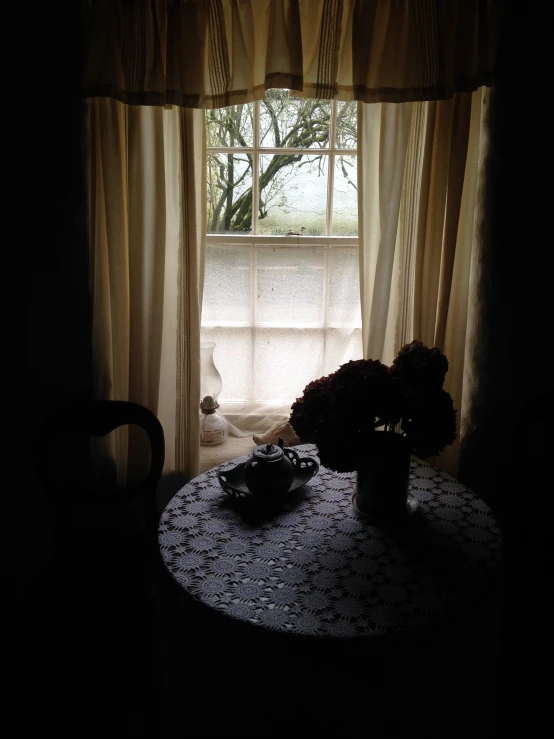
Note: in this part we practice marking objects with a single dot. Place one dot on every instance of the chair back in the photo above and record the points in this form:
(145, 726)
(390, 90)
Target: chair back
(85, 419)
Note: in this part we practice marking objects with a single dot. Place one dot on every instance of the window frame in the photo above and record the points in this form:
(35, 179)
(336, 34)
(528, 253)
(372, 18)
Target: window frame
(255, 240)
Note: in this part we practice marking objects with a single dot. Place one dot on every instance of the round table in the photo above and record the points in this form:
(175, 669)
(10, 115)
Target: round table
(318, 567)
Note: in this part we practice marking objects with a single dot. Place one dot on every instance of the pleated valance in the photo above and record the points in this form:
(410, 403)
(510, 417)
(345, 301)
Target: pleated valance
(213, 53)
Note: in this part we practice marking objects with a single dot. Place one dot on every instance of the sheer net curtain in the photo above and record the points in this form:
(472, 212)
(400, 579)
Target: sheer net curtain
(420, 170)
(146, 191)
(280, 317)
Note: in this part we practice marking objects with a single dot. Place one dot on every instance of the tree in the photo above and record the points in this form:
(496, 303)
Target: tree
(284, 122)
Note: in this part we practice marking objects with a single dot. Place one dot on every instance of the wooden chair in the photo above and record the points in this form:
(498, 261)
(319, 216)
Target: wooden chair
(105, 555)
(94, 610)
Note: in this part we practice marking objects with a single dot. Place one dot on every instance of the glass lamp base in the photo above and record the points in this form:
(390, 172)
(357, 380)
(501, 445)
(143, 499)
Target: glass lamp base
(213, 429)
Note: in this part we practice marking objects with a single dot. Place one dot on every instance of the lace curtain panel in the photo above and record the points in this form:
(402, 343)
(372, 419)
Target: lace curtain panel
(280, 317)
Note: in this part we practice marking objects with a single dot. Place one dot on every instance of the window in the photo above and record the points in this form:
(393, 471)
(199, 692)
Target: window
(281, 292)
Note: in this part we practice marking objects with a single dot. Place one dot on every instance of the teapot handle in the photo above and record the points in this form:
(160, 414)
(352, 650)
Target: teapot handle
(292, 455)
(302, 462)
(298, 462)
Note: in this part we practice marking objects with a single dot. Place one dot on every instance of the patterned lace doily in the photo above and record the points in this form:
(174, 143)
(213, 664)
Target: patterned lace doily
(318, 567)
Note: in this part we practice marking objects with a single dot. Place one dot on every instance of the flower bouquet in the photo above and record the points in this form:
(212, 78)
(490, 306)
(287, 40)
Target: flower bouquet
(359, 414)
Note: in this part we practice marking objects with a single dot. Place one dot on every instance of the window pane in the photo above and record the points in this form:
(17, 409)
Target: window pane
(293, 194)
(347, 116)
(265, 369)
(285, 361)
(289, 287)
(232, 126)
(294, 122)
(341, 345)
(229, 193)
(227, 297)
(345, 197)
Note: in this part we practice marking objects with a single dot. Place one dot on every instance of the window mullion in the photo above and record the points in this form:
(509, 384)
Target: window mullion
(254, 318)
(256, 169)
(326, 286)
(331, 168)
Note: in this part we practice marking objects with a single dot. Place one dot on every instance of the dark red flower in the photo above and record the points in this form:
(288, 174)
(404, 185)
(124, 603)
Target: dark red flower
(341, 412)
(420, 366)
(429, 422)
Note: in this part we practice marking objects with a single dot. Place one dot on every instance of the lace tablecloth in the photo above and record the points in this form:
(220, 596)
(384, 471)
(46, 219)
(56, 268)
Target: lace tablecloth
(319, 567)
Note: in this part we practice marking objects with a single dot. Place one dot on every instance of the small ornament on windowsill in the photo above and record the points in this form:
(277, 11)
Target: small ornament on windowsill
(296, 233)
(213, 426)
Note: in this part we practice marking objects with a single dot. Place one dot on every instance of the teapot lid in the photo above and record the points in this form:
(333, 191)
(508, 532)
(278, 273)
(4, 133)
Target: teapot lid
(267, 453)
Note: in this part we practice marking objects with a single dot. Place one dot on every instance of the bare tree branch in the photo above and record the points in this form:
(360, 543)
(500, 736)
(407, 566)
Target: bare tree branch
(302, 123)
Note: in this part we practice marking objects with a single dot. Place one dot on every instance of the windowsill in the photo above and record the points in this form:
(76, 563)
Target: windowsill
(232, 447)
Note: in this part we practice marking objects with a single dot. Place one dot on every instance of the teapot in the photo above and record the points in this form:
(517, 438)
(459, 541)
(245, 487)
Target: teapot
(270, 470)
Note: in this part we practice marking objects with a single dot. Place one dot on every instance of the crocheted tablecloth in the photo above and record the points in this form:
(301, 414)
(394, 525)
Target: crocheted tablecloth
(318, 567)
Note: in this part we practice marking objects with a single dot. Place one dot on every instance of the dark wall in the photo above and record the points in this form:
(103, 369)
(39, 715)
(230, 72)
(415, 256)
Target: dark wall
(59, 307)
(57, 279)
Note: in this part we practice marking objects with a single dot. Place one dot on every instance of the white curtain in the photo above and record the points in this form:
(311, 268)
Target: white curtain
(420, 165)
(147, 230)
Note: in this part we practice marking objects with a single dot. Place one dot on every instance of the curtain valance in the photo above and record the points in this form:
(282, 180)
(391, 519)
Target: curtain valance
(213, 53)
